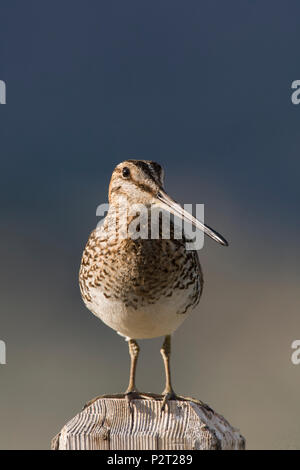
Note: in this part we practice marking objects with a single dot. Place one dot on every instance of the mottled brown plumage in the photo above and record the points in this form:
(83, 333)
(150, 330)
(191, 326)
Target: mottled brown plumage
(139, 271)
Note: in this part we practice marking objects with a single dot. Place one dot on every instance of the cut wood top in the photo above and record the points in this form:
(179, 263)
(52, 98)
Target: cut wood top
(110, 423)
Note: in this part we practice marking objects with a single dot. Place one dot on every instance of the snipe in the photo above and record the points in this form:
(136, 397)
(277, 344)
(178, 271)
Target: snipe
(141, 287)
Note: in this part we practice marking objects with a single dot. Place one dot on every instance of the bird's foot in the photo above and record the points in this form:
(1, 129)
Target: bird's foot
(171, 395)
(194, 400)
(167, 396)
(136, 395)
(115, 395)
(132, 395)
(128, 395)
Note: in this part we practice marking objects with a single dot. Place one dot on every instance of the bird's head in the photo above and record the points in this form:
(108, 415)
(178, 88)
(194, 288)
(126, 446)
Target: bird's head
(141, 182)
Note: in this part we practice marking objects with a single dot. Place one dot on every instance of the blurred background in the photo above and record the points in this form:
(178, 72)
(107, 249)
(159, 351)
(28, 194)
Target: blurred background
(204, 88)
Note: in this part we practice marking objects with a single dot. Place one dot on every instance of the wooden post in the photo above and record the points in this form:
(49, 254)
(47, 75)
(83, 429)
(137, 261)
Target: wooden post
(110, 423)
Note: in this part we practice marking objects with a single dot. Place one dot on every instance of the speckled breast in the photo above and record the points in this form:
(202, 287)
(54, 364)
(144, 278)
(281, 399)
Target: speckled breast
(134, 284)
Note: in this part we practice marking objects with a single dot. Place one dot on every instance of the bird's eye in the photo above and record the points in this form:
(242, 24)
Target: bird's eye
(126, 172)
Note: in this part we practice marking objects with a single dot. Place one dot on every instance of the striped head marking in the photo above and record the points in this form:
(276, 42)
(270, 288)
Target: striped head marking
(137, 180)
(141, 182)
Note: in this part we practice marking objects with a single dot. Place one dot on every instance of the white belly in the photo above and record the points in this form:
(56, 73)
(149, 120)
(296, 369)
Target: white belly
(147, 321)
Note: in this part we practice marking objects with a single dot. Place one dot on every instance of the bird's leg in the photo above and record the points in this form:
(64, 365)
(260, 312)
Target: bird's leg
(131, 392)
(134, 350)
(168, 393)
(165, 351)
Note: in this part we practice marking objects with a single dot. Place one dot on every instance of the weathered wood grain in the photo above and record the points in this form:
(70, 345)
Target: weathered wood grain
(109, 423)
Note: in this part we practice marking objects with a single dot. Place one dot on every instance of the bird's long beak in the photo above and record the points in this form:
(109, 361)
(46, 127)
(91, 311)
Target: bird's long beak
(168, 204)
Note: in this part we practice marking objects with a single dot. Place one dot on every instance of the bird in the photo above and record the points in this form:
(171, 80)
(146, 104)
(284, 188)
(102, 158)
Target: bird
(142, 287)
